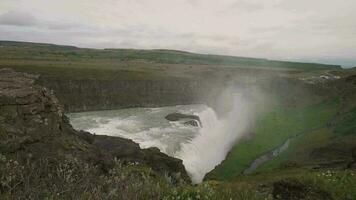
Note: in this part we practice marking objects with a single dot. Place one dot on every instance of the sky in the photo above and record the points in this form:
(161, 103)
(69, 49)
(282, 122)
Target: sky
(298, 30)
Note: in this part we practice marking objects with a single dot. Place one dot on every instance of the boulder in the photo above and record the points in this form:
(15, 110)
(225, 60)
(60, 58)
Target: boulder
(180, 116)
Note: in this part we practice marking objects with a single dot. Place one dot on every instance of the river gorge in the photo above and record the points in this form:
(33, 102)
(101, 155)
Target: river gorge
(200, 148)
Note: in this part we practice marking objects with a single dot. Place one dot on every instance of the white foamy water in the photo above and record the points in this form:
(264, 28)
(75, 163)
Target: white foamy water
(146, 126)
(212, 143)
(200, 148)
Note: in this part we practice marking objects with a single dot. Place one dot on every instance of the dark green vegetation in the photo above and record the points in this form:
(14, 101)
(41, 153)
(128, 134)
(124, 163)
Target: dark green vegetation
(322, 136)
(69, 178)
(52, 161)
(347, 125)
(272, 129)
(322, 143)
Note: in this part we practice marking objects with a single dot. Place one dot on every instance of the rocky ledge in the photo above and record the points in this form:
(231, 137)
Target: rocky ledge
(32, 123)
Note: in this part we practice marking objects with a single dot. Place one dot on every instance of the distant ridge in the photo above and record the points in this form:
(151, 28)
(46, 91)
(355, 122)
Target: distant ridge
(29, 50)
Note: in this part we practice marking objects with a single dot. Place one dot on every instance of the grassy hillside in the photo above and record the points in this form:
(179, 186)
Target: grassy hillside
(48, 52)
(325, 146)
(326, 135)
(272, 129)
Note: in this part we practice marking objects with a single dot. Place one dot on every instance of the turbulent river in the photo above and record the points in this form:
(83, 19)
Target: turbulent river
(146, 126)
(200, 148)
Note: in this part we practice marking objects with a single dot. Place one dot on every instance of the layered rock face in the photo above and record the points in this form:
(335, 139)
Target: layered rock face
(29, 113)
(87, 94)
(32, 122)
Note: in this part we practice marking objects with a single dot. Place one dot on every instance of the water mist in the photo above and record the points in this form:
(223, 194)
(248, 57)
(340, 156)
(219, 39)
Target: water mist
(217, 136)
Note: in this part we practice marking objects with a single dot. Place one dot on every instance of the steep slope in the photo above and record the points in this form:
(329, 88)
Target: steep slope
(311, 128)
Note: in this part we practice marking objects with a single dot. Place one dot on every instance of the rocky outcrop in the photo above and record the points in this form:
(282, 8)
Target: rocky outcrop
(130, 152)
(31, 116)
(179, 116)
(32, 123)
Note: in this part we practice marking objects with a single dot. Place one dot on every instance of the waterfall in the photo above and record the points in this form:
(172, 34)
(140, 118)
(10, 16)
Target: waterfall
(201, 149)
(215, 139)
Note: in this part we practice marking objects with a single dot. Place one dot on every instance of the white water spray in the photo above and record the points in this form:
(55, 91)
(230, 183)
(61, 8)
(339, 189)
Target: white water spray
(210, 147)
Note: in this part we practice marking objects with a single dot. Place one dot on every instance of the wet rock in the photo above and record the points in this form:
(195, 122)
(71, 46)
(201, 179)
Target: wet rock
(180, 116)
(191, 123)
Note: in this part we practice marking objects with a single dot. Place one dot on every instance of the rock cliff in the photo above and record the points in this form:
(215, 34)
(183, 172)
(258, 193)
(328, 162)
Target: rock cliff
(87, 94)
(32, 123)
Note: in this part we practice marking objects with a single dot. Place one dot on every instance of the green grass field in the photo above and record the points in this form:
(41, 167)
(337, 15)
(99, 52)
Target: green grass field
(272, 129)
(299, 149)
(47, 52)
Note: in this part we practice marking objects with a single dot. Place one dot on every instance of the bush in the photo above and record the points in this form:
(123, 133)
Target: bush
(71, 178)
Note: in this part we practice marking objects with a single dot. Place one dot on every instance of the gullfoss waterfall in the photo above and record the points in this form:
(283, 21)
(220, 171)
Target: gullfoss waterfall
(200, 148)
(215, 139)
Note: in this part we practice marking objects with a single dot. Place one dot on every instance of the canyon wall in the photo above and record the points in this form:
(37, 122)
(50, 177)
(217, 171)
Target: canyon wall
(88, 94)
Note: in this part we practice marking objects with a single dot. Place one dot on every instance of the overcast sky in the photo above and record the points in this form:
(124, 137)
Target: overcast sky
(305, 30)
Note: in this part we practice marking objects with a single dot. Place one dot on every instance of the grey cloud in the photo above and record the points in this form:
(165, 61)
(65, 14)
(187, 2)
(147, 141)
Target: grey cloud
(16, 18)
(242, 6)
(61, 26)
(23, 19)
(193, 2)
